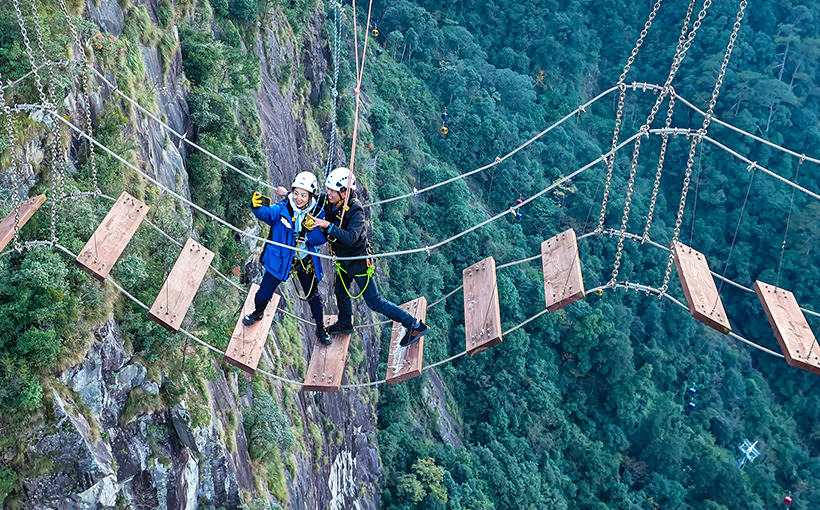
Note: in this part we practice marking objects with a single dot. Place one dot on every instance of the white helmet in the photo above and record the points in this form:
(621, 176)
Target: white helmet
(306, 181)
(338, 179)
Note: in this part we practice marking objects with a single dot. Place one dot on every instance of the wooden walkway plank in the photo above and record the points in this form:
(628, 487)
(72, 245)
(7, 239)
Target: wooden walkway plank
(26, 210)
(699, 288)
(563, 282)
(179, 289)
(327, 362)
(109, 240)
(247, 342)
(790, 327)
(482, 313)
(405, 363)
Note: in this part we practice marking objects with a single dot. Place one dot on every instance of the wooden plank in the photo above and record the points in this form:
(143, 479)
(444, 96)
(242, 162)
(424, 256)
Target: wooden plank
(790, 327)
(563, 282)
(405, 362)
(247, 342)
(26, 210)
(179, 289)
(111, 237)
(482, 314)
(327, 362)
(699, 288)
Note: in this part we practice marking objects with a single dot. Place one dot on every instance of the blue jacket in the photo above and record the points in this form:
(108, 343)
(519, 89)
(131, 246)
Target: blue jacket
(276, 259)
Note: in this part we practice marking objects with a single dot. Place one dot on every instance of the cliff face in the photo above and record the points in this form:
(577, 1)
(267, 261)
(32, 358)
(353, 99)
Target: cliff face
(106, 446)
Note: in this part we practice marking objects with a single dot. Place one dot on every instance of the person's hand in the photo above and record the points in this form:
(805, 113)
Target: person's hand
(317, 222)
(258, 200)
(281, 191)
(309, 223)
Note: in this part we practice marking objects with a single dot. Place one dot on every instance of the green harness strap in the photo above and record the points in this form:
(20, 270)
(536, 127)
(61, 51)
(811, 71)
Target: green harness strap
(370, 270)
(307, 269)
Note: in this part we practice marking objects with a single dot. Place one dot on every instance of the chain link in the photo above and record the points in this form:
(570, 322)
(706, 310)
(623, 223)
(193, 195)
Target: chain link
(665, 134)
(337, 35)
(620, 112)
(57, 162)
(684, 43)
(85, 96)
(698, 138)
(29, 51)
(15, 166)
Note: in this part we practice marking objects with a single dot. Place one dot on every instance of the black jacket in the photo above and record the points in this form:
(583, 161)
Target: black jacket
(347, 238)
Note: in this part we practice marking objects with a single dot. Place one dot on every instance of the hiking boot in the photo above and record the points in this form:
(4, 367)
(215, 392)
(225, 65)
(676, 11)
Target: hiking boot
(322, 336)
(340, 329)
(413, 334)
(249, 319)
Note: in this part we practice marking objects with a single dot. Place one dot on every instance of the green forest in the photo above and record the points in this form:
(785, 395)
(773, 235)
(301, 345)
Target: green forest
(584, 408)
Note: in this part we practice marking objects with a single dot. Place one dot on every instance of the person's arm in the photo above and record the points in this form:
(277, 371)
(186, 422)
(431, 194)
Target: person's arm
(268, 214)
(355, 229)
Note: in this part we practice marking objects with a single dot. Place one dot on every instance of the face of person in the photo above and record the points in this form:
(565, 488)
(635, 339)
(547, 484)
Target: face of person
(333, 196)
(301, 197)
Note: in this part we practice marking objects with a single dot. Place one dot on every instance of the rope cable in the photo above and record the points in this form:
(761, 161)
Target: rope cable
(788, 222)
(737, 228)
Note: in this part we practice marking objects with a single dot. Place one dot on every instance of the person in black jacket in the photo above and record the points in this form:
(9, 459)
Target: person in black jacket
(347, 238)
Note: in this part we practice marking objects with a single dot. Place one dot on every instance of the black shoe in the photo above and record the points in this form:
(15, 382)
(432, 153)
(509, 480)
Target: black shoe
(322, 336)
(413, 334)
(249, 319)
(340, 329)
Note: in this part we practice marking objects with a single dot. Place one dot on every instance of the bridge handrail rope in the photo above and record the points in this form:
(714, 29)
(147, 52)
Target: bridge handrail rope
(625, 285)
(425, 249)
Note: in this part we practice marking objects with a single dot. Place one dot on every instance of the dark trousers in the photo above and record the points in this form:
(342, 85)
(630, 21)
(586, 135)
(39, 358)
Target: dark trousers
(355, 270)
(306, 279)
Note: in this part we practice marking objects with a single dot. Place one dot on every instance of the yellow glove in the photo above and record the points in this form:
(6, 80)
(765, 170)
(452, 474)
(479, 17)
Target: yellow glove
(308, 223)
(258, 200)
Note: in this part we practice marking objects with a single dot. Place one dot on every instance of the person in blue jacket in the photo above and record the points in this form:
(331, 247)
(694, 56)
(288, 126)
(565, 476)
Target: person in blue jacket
(291, 226)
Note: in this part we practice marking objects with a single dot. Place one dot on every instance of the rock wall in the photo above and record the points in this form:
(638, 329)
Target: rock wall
(164, 458)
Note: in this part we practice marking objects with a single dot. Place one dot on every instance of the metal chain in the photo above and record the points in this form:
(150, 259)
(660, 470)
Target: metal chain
(15, 166)
(85, 96)
(57, 162)
(620, 112)
(697, 138)
(337, 35)
(665, 134)
(29, 51)
(684, 43)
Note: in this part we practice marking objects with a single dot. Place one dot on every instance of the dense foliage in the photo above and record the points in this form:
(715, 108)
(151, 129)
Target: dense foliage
(588, 406)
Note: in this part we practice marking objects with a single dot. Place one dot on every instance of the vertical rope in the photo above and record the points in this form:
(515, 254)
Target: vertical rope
(358, 92)
(788, 221)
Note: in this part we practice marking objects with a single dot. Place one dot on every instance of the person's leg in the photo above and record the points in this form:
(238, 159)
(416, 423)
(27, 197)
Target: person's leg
(262, 298)
(345, 304)
(415, 328)
(376, 302)
(311, 287)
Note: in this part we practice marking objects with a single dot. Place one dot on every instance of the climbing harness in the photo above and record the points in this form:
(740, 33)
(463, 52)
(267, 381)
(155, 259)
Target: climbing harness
(369, 273)
(305, 268)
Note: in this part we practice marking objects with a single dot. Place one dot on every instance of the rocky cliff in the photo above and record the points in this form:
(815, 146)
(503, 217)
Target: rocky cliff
(108, 440)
